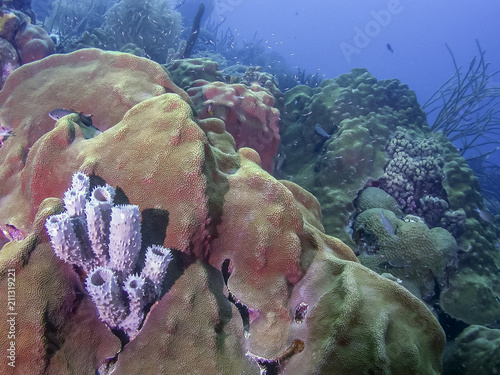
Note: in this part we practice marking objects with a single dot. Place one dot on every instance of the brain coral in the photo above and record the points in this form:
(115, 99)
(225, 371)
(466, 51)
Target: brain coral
(185, 71)
(239, 238)
(373, 197)
(406, 248)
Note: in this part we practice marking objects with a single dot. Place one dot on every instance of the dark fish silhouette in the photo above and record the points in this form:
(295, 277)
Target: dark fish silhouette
(88, 129)
(391, 50)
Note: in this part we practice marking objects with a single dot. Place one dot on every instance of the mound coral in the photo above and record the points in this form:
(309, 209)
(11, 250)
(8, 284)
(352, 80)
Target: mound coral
(360, 113)
(373, 197)
(246, 242)
(19, 36)
(475, 351)
(247, 111)
(101, 85)
(33, 43)
(185, 71)
(9, 24)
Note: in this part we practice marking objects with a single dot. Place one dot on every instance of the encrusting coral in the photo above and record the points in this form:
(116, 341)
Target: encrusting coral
(244, 239)
(9, 60)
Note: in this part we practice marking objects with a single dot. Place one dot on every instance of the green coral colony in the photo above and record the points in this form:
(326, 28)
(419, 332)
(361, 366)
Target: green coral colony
(217, 225)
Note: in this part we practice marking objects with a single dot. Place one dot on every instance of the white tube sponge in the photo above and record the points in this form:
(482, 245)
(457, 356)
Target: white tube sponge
(157, 260)
(75, 197)
(136, 288)
(124, 238)
(67, 245)
(102, 285)
(98, 213)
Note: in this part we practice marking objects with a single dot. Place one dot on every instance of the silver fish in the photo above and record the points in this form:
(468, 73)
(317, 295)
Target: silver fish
(485, 215)
(398, 263)
(386, 223)
(319, 129)
(59, 113)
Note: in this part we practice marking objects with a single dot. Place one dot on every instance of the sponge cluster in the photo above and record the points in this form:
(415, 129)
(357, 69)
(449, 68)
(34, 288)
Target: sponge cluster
(104, 240)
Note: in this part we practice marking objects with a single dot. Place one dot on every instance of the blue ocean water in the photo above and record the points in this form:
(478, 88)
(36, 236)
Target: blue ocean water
(420, 43)
(332, 37)
(315, 35)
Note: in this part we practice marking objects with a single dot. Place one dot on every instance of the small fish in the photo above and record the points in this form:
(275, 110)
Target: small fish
(319, 129)
(301, 312)
(485, 215)
(391, 50)
(88, 129)
(209, 109)
(181, 3)
(386, 223)
(59, 113)
(392, 277)
(398, 263)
